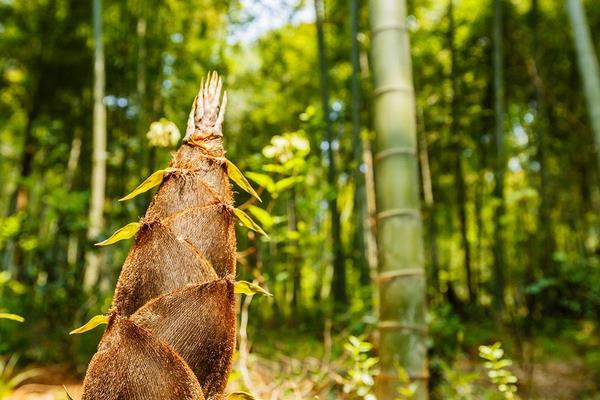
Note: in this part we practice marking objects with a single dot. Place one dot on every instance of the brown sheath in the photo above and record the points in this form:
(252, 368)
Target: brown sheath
(172, 327)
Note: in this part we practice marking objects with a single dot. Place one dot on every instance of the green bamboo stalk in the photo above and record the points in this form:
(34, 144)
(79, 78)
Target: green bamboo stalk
(401, 278)
(98, 185)
(588, 64)
(498, 65)
(338, 282)
(360, 212)
(459, 176)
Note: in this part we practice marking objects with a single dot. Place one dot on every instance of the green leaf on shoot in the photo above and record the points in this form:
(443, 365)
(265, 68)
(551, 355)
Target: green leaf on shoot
(123, 233)
(69, 397)
(236, 175)
(263, 180)
(263, 216)
(249, 288)
(12, 317)
(240, 396)
(153, 180)
(248, 222)
(91, 324)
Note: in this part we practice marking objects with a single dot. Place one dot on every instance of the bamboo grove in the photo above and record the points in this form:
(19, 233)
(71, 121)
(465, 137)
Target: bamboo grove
(428, 174)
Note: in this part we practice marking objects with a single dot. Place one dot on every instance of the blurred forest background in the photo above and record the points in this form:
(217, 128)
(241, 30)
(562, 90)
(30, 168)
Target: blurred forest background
(509, 183)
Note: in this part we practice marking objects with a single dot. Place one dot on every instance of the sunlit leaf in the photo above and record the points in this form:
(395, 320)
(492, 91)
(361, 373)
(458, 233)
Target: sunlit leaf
(236, 175)
(286, 183)
(248, 222)
(292, 235)
(69, 397)
(125, 232)
(240, 396)
(153, 180)
(249, 288)
(263, 180)
(262, 215)
(12, 317)
(279, 169)
(91, 324)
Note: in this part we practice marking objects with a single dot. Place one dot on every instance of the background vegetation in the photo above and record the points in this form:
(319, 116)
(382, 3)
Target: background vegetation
(509, 188)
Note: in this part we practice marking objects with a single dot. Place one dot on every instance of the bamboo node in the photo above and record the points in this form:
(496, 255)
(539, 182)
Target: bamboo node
(399, 212)
(423, 376)
(387, 27)
(401, 326)
(410, 151)
(392, 88)
(389, 275)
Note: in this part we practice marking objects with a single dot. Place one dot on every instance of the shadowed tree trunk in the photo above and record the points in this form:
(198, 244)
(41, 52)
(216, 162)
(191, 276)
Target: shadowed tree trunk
(461, 197)
(359, 198)
(338, 282)
(295, 259)
(14, 256)
(546, 242)
(588, 64)
(429, 203)
(499, 262)
(98, 185)
(402, 309)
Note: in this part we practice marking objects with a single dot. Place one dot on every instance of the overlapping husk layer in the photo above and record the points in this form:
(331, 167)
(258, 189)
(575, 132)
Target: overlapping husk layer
(171, 330)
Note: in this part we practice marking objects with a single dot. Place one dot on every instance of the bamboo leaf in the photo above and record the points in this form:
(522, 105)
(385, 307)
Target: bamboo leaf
(91, 324)
(236, 175)
(240, 396)
(263, 180)
(12, 317)
(248, 222)
(69, 397)
(263, 216)
(125, 232)
(153, 180)
(249, 288)
(286, 183)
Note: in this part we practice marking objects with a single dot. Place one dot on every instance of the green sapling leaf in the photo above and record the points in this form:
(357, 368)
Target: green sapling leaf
(249, 288)
(91, 324)
(126, 232)
(153, 180)
(236, 175)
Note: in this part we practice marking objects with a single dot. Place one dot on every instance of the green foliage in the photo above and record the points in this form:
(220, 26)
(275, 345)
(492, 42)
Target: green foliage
(249, 288)
(458, 385)
(10, 377)
(275, 135)
(12, 317)
(163, 133)
(498, 373)
(248, 222)
(153, 180)
(91, 324)
(236, 175)
(9, 227)
(406, 388)
(447, 332)
(126, 232)
(359, 380)
(575, 284)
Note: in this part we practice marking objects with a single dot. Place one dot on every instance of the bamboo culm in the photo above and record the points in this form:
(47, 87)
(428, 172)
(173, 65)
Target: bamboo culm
(401, 278)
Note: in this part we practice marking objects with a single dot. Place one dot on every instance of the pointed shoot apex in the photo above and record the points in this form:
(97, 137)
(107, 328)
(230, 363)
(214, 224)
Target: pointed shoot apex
(208, 111)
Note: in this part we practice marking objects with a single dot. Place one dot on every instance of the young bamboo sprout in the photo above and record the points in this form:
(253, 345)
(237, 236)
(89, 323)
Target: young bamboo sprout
(172, 327)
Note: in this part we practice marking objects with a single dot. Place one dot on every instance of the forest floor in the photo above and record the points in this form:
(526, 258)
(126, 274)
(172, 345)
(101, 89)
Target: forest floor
(303, 369)
(294, 379)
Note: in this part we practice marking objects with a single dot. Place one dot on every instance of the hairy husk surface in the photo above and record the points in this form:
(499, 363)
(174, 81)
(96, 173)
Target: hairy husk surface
(172, 327)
